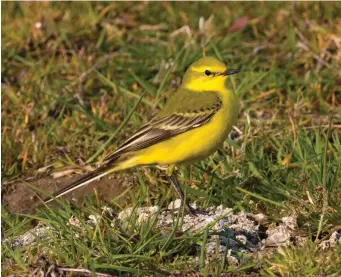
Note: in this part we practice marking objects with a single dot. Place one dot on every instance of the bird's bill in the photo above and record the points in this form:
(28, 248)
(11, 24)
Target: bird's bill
(229, 72)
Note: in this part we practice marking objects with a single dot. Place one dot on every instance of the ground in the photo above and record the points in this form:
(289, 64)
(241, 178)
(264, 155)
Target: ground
(78, 78)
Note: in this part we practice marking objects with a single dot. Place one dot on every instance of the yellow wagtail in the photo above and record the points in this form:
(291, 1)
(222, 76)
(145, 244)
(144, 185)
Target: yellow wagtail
(192, 125)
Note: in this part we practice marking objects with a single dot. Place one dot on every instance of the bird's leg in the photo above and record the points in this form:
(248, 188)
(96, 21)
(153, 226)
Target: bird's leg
(171, 176)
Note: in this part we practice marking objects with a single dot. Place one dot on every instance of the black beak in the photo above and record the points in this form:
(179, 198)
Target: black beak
(229, 72)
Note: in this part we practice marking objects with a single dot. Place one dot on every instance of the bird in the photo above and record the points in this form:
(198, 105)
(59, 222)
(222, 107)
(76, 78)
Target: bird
(193, 124)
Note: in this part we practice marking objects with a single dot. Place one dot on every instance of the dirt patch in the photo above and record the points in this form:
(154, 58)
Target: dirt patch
(20, 197)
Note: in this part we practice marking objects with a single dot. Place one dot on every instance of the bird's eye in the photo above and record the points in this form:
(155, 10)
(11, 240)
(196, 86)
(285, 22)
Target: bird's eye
(207, 72)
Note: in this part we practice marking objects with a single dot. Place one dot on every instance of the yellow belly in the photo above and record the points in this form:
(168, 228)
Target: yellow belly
(192, 145)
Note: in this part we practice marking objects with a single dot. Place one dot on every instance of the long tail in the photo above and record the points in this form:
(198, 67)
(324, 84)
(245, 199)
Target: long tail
(84, 180)
(115, 163)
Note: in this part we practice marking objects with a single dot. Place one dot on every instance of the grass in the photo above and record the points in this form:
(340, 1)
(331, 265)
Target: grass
(73, 76)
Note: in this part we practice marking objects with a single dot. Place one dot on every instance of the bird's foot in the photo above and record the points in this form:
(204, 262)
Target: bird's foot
(196, 211)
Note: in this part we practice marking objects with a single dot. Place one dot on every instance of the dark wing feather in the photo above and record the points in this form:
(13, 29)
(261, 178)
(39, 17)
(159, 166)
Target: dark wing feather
(165, 127)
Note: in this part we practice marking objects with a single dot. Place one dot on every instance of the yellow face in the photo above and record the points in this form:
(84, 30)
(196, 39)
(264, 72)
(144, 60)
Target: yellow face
(206, 74)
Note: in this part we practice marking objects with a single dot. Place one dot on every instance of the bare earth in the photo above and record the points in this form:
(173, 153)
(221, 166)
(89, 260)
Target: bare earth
(20, 197)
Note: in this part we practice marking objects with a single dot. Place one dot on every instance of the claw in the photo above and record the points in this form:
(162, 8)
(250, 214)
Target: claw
(195, 212)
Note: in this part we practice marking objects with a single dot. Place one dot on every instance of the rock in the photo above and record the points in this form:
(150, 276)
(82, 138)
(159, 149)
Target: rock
(143, 213)
(229, 234)
(175, 205)
(280, 235)
(335, 239)
(237, 232)
(40, 232)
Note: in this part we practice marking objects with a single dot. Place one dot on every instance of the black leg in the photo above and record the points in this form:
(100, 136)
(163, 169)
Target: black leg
(174, 181)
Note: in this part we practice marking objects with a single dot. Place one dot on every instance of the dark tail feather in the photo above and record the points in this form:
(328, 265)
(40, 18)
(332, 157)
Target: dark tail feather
(84, 180)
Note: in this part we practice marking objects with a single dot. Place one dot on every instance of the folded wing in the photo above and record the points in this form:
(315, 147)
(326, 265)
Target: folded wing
(165, 127)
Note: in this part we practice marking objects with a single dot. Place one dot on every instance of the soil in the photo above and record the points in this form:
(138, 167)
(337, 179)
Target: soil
(21, 197)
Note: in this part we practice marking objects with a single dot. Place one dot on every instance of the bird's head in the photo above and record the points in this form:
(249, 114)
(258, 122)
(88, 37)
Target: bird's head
(207, 74)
